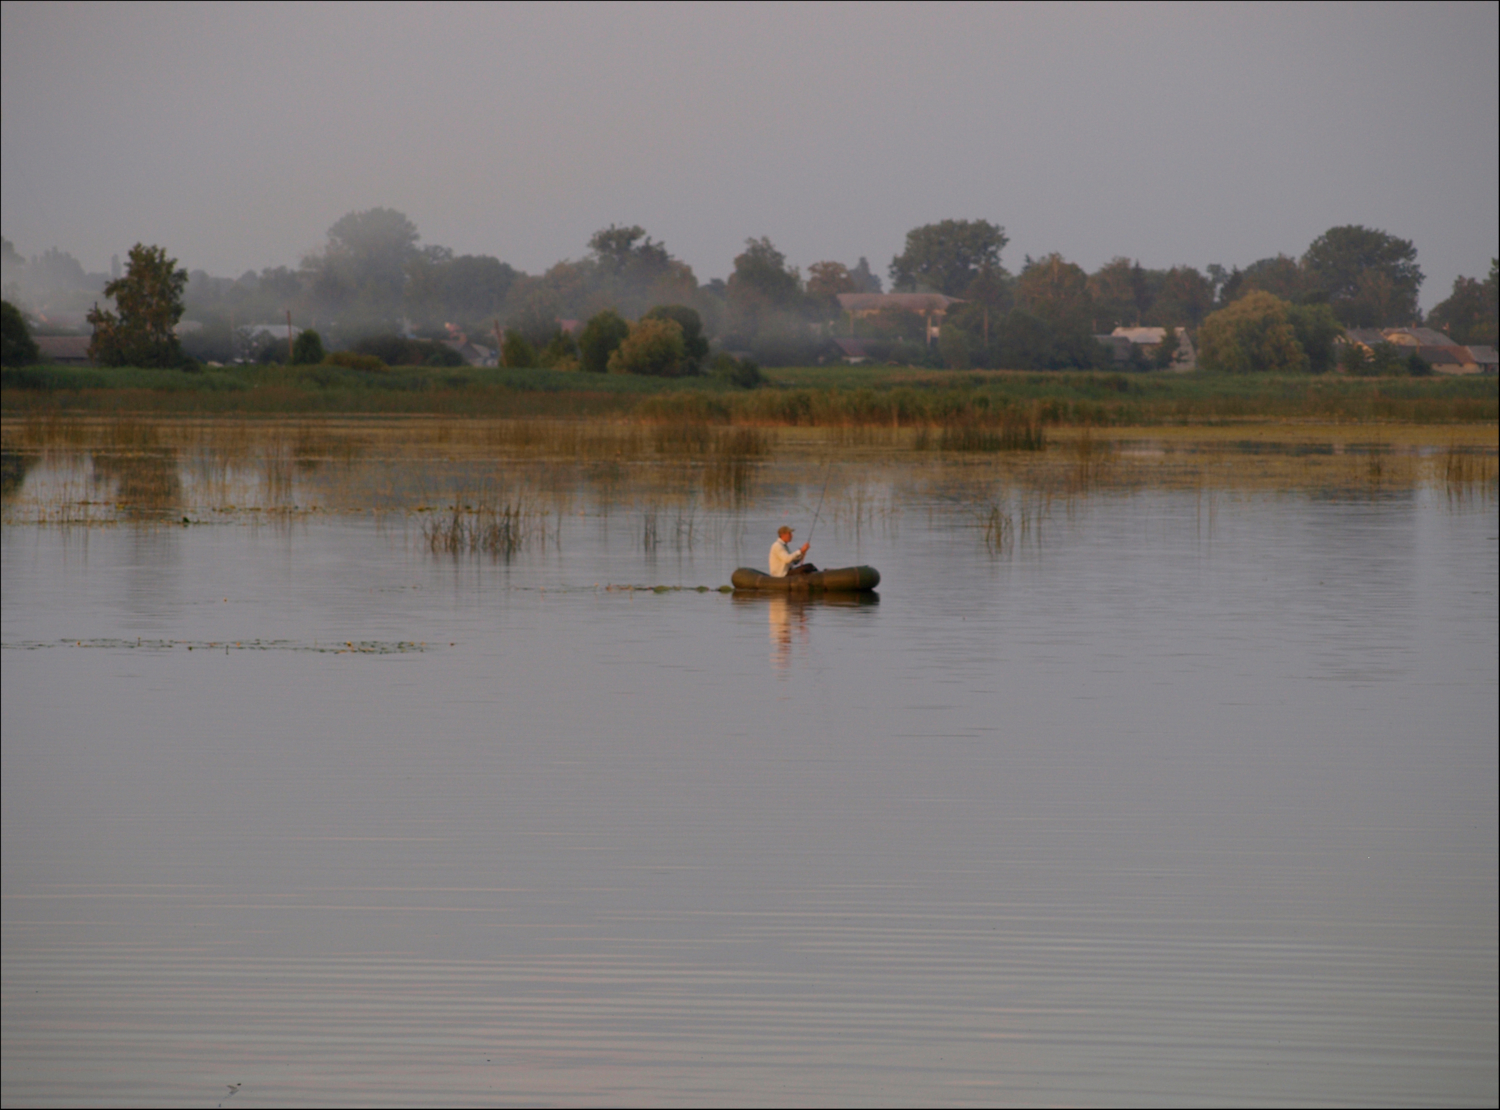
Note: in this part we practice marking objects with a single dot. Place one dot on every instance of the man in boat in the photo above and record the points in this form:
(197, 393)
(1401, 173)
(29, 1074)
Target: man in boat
(784, 560)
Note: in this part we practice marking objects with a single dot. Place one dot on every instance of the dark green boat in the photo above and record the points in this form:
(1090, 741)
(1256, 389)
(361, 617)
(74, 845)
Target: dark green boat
(838, 580)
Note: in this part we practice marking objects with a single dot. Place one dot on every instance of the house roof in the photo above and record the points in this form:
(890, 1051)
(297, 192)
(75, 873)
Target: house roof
(1485, 356)
(910, 302)
(1368, 336)
(1145, 336)
(1425, 337)
(1449, 355)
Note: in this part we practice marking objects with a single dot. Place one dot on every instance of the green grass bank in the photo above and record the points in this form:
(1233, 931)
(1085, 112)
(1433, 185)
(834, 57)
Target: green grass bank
(792, 396)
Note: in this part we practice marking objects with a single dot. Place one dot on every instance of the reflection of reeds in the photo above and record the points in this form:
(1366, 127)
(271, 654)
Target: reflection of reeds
(1467, 473)
(999, 530)
(649, 538)
(1014, 431)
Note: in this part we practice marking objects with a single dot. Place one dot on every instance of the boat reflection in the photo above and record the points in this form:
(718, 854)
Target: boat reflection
(788, 617)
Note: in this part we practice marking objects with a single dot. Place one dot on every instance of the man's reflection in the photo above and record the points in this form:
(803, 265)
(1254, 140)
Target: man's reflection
(788, 618)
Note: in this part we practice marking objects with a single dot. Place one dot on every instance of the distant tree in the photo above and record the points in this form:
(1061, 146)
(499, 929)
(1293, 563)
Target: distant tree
(1469, 313)
(761, 288)
(17, 348)
(947, 256)
(1317, 329)
(1354, 359)
(654, 347)
(516, 351)
(148, 299)
(364, 263)
(1184, 299)
(1056, 291)
(560, 353)
(743, 372)
(1166, 350)
(694, 344)
(601, 335)
(1112, 289)
(1371, 278)
(307, 349)
(1254, 334)
(826, 280)
(864, 280)
(1281, 276)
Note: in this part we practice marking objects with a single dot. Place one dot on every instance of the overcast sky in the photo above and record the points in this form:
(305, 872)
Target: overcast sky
(234, 135)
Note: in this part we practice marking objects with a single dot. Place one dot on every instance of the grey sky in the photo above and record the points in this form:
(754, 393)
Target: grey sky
(234, 135)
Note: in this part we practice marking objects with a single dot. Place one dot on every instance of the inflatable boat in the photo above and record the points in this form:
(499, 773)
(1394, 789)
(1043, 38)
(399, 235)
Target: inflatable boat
(837, 580)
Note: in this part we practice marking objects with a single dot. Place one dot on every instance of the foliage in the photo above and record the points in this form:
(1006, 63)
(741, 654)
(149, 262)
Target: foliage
(947, 256)
(761, 287)
(654, 347)
(352, 360)
(307, 349)
(517, 351)
(604, 332)
(692, 331)
(1056, 291)
(1280, 276)
(825, 281)
(1118, 294)
(560, 352)
(1184, 298)
(864, 281)
(399, 350)
(149, 302)
(363, 265)
(1166, 350)
(1371, 278)
(742, 372)
(1469, 314)
(17, 348)
(1254, 334)
(1317, 329)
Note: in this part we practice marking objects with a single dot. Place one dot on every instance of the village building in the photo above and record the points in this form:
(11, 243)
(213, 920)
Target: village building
(1438, 350)
(931, 306)
(1124, 343)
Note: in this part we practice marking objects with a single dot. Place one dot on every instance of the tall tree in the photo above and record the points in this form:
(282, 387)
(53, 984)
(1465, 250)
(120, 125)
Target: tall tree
(366, 259)
(1371, 278)
(148, 299)
(1468, 315)
(762, 286)
(1112, 290)
(947, 256)
(1056, 291)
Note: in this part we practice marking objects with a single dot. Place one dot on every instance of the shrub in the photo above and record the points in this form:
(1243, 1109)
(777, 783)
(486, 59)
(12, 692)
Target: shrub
(692, 330)
(354, 360)
(308, 349)
(601, 335)
(17, 348)
(742, 372)
(516, 351)
(559, 352)
(1252, 335)
(654, 347)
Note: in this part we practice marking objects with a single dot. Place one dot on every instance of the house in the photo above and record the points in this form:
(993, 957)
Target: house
(932, 306)
(1416, 337)
(65, 350)
(1486, 358)
(1119, 346)
(1147, 340)
(852, 350)
(1438, 350)
(473, 354)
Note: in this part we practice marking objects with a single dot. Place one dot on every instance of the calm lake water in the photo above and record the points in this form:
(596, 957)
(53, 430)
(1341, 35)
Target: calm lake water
(1167, 798)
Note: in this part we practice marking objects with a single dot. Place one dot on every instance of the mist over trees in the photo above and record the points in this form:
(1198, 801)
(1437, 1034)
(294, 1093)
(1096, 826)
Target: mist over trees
(374, 284)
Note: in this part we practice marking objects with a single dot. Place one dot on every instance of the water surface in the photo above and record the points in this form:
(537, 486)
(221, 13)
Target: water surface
(1170, 798)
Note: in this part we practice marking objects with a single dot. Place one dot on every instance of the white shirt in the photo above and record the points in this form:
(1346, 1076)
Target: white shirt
(783, 558)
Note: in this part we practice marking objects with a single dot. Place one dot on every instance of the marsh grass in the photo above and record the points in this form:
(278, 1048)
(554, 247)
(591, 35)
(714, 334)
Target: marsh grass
(1468, 474)
(498, 529)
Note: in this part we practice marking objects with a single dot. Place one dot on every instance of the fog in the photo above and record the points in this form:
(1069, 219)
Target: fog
(235, 136)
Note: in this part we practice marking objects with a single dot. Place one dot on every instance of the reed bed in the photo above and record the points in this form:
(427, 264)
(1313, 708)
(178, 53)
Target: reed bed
(499, 529)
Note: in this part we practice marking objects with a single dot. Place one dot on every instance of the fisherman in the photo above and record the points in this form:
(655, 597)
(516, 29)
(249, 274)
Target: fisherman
(784, 560)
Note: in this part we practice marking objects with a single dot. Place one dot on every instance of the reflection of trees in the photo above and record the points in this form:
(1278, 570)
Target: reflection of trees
(146, 483)
(13, 468)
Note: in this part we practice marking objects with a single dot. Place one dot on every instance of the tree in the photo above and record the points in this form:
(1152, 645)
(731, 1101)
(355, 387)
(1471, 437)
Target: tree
(1371, 278)
(1185, 297)
(653, 347)
(695, 346)
(826, 280)
(761, 287)
(1113, 291)
(1254, 334)
(864, 280)
(516, 351)
(1280, 276)
(1056, 290)
(1166, 350)
(364, 263)
(601, 335)
(149, 303)
(307, 349)
(947, 256)
(1469, 313)
(17, 348)
(1316, 328)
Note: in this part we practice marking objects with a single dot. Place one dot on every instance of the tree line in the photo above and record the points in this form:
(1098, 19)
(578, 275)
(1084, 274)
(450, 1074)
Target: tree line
(372, 286)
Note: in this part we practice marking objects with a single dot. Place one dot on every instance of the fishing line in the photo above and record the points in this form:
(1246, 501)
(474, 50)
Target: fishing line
(819, 513)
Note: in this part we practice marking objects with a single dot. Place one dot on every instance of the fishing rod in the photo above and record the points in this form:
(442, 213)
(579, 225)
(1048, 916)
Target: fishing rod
(822, 495)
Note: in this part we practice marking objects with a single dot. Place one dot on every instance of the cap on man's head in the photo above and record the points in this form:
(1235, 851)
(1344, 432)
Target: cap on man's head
(784, 530)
